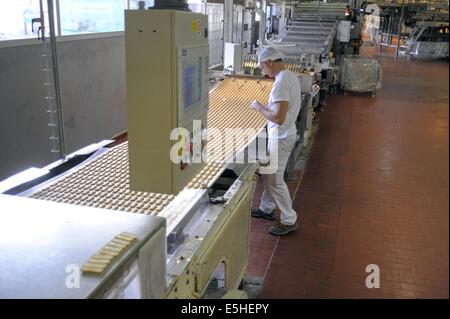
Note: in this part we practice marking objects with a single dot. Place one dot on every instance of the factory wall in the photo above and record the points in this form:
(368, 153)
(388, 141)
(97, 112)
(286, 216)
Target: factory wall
(92, 79)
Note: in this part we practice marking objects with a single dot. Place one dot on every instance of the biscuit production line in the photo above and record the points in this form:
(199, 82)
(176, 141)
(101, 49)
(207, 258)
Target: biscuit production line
(311, 31)
(205, 224)
(123, 220)
(208, 150)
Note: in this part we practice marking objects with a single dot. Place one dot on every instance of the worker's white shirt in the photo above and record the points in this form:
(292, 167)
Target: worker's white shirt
(286, 88)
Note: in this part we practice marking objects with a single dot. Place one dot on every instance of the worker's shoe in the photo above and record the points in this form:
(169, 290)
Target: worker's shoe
(258, 213)
(281, 229)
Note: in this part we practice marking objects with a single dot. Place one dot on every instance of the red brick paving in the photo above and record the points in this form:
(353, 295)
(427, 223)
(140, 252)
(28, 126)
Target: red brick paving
(262, 244)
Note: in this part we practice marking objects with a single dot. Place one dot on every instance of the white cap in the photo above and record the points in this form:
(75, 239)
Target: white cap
(268, 53)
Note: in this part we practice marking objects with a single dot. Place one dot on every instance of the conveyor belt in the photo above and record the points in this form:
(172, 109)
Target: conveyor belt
(316, 9)
(308, 33)
(229, 107)
(310, 42)
(306, 36)
(289, 63)
(313, 23)
(313, 27)
(103, 182)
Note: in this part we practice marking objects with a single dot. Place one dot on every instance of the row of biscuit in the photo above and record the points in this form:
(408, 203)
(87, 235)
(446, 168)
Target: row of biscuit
(229, 108)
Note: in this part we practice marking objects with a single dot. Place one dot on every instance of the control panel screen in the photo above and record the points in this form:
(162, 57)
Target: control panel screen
(192, 83)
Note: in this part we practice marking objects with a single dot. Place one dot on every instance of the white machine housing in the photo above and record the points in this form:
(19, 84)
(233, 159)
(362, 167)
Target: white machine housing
(44, 245)
(343, 32)
(233, 58)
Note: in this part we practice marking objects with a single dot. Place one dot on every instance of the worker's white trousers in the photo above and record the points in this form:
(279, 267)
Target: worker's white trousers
(276, 193)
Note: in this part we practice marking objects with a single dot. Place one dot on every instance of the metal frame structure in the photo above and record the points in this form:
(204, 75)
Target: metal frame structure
(428, 40)
(391, 26)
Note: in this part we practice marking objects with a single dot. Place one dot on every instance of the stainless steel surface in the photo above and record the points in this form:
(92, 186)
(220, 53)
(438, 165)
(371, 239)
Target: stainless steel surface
(307, 33)
(302, 37)
(41, 240)
(325, 23)
(181, 209)
(319, 9)
(417, 47)
(203, 217)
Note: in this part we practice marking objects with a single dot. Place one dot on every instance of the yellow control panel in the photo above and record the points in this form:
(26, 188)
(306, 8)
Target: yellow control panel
(167, 88)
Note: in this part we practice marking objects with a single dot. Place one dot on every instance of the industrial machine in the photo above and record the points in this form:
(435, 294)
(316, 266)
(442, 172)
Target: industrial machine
(428, 40)
(233, 58)
(120, 219)
(307, 40)
(89, 202)
(44, 245)
(310, 40)
(401, 23)
(167, 88)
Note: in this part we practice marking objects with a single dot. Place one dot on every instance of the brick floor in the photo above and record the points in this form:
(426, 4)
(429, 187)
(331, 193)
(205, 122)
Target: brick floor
(262, 245)
(375, 191)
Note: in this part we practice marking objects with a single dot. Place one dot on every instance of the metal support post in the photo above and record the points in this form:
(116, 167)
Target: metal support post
(228, 21)
(400, 24)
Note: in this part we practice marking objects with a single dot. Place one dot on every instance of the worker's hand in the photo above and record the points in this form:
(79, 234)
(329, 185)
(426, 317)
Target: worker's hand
(315, 89)
(255, 105)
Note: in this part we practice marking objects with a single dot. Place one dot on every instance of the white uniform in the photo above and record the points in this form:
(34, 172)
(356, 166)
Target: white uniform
(276, 194)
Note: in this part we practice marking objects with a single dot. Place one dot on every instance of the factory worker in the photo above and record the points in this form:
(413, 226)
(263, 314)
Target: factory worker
(281, 112)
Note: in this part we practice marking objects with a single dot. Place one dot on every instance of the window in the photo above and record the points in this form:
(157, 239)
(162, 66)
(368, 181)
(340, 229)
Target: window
(85, 16)
(197, 6)
(16, 19)
(75, 16)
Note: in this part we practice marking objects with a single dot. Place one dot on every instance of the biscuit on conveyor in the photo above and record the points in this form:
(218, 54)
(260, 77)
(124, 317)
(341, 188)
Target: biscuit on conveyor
(100, 261)
(103, 182)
